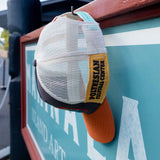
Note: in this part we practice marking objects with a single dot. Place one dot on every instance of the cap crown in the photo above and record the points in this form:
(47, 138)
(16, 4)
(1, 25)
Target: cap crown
(64, 54)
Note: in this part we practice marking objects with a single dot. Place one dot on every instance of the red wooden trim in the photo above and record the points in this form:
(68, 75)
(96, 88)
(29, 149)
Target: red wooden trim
(30, 145)
(23, 88)
(116, 12)
(102, 9)
(32, 38)
(137, 15)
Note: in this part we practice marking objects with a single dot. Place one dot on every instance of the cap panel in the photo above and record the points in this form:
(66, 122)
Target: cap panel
(94, 39)
(52, 39)
(63, 80)
(53, 78)
(58, 40)
(60, 56)
(73, 72)
(80, 107)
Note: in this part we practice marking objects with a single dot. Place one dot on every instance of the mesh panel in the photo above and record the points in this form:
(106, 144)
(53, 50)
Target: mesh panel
(52, 43)
(58, 39)
(64, 81)
(62, 57)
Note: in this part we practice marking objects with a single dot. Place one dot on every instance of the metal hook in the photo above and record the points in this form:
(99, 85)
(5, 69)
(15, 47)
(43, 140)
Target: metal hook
(72, 10)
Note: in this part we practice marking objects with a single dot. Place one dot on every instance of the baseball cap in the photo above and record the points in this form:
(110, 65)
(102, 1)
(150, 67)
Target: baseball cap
(72, 71)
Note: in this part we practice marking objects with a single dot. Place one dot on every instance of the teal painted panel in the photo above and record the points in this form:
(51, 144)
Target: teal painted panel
(133, 95)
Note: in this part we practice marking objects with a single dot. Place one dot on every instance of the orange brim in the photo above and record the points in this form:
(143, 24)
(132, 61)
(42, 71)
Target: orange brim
(100, 124)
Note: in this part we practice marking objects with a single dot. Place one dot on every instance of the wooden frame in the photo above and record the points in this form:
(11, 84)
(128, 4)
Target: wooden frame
(108, 13)
(112, 13)
(27, 39)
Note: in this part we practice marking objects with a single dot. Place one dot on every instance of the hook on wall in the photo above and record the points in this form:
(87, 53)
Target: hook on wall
(72, 10)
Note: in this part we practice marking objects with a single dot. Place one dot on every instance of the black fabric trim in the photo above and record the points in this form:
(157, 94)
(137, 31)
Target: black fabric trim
(79, 107)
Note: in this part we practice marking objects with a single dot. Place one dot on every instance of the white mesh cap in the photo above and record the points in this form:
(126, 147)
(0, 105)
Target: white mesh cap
(72, 71)
(62, 59)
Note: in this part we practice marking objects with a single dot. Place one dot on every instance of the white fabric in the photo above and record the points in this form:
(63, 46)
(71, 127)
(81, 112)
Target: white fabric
(72, 45)
(61, 48)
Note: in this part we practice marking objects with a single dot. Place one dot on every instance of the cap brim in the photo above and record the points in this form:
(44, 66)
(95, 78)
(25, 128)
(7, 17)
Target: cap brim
(100, 124)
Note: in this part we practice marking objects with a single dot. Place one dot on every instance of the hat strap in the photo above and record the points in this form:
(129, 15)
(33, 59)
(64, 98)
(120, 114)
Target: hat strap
(75, 91)
(85, 16)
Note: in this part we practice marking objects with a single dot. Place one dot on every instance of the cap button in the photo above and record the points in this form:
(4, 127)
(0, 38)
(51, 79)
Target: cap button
(34, 63)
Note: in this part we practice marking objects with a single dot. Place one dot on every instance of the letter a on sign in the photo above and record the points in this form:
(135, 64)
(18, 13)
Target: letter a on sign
(130, 131)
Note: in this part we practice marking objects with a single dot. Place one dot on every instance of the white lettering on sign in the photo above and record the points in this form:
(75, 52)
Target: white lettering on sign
(56, 113)
(92, 153)
(130, 131)
(46, 107)
(70, 118)
(56, 149)
(39, 100)
(40, 125)
(33, 84)
(28, 81)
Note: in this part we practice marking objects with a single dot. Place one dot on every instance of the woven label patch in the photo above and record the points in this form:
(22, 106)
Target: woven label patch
(98, 78)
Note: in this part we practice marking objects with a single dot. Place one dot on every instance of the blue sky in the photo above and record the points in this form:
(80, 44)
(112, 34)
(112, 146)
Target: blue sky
(3, 5)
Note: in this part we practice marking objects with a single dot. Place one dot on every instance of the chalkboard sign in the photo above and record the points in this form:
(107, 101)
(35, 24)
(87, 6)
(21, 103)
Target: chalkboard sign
(133, 94)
